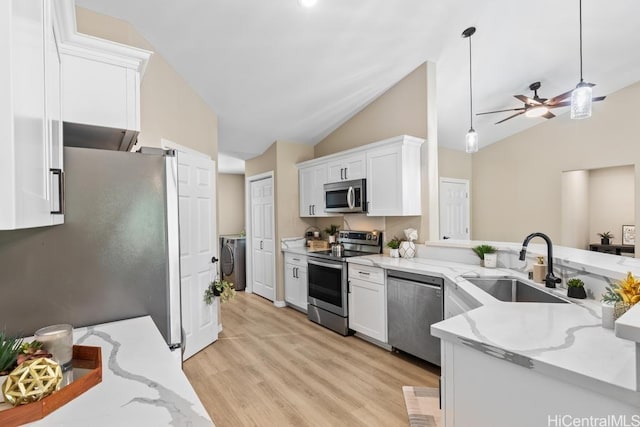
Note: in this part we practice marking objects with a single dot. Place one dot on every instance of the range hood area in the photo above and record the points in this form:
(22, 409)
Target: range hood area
(103, 138)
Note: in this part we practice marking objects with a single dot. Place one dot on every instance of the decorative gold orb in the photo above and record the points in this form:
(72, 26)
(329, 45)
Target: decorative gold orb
(31, 381)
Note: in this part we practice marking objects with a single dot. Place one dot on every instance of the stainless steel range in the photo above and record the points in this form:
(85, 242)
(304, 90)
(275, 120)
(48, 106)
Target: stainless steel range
(328, 283)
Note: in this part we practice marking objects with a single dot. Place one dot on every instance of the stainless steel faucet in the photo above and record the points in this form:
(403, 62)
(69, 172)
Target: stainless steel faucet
(550, 279)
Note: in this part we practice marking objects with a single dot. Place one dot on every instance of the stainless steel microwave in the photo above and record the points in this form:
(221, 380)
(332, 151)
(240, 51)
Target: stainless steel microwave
(346, 196)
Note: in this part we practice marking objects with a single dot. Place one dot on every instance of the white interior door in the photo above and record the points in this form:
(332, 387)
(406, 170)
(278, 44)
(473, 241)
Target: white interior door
(454, 209)
(262, 238)
(197, 211)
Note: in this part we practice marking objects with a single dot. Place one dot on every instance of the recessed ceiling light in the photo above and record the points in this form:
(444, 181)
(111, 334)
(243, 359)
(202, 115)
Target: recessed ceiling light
(307, 3)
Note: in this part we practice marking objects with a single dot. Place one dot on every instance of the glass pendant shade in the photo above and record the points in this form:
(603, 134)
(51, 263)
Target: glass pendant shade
(471, 141)
(581, 101)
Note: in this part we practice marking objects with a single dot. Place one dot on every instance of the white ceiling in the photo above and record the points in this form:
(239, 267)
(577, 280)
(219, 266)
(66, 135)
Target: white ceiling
(274, 70)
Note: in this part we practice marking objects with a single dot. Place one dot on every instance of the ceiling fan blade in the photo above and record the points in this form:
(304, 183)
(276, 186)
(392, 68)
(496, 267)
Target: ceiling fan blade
(560, 104)
(510, 117)
(553, 101)
(563, 96)
(501, 111)
(527, 100)
(568, 103)
(548, 115)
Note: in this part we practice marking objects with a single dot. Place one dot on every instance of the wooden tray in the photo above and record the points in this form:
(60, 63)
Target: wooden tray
(87, 367)
(315, 245)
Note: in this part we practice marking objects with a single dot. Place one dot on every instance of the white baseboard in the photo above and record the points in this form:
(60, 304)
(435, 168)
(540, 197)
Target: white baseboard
(280, 304)
(373, 341)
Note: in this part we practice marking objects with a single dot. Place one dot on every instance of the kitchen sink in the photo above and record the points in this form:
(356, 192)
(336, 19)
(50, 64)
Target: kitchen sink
(513, 289)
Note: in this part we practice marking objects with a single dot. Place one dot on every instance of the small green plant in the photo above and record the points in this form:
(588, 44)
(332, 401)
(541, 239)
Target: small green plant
(393, 243)
(9, 350)
(611, 296)
(575, 283)
(332, 230)
(606, 235)
(222, 288)
(484, 249)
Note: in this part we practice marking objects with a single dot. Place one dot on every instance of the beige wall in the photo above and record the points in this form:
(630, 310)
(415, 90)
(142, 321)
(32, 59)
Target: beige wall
(281, 158)
(402, 110)
(454, 163)
(230, 203)
(575, 209)
(516, 183)
(170, 108)
(611, 201)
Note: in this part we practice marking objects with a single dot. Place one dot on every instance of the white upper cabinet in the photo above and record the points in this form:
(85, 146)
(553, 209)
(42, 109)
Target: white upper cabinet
(31, 163)
(393, 178)
(311, 188)
(100, 78)
(347, 168)
(391, 168)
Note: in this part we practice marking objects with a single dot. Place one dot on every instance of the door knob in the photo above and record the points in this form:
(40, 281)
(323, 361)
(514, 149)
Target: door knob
(214, 260)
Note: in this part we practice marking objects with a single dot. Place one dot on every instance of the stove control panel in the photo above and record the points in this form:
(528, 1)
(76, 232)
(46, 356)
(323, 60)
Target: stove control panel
(361, 237)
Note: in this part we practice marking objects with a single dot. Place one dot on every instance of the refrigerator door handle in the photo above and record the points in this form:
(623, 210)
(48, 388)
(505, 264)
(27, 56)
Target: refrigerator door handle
(174, 315)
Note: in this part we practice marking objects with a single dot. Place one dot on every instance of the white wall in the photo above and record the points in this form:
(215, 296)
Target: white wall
(611, 201)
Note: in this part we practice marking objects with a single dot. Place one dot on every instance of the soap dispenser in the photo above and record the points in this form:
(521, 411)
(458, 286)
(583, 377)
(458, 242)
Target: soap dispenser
(539, 270)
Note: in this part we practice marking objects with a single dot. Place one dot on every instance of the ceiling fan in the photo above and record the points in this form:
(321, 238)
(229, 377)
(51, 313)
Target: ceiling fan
(539, 107)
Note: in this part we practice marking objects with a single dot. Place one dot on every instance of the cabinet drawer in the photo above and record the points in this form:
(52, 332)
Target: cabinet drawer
(295, 259)
(364, 272)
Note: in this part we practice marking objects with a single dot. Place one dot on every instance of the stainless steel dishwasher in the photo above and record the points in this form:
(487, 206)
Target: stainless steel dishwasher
(414, 303)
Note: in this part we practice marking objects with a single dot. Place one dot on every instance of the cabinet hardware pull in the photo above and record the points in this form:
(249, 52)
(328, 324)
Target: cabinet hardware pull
(261, 244)
(60, 174)
(341, 173)
(364, 273)
(345, 173)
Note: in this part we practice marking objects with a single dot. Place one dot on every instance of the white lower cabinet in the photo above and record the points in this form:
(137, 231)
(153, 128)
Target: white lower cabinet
(368, 301)
(295, 280)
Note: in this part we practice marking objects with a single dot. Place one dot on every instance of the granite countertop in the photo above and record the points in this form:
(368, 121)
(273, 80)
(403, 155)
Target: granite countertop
(142, 383)
(565, 341)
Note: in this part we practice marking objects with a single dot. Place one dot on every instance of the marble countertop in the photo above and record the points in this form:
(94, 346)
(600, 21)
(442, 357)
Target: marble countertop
(141, 384)
(565, 341)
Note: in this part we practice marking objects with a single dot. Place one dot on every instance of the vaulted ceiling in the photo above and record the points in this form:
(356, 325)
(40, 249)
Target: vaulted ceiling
(275, 70)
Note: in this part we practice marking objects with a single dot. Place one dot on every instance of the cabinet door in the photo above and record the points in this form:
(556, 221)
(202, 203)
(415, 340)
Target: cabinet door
(290, 284)
(367, 309)
(99, 94)
(347, 168)
(355, 167)
(31, 162)
(54, 122)
(303, 285)
(319, 180)
(305, 188)
(384, 182)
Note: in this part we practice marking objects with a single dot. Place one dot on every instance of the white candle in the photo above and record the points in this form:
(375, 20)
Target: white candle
(58, 340)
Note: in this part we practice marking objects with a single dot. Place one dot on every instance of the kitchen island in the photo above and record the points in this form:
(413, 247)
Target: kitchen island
(513, 363)
(142, 385)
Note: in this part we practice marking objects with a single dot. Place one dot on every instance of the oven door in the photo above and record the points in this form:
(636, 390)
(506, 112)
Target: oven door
(328, 286)
(345, 197)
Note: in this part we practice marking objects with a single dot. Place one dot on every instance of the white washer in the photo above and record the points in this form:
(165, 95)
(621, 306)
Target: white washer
(232, 260)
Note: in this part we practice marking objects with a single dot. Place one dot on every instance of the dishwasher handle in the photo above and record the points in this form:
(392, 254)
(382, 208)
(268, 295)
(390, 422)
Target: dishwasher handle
(417, 279)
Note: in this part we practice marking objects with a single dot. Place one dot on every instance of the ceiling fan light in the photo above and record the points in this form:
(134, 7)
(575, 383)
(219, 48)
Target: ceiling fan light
(581, 101)
(471, 141)
(537, 111)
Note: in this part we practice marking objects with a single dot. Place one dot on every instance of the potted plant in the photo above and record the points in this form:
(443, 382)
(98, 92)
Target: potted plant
(575, 289)
(487, 254)
(393, 246)
(605, 237)
(331, 231)
(9, 350)
(219, 288)
(609, 300)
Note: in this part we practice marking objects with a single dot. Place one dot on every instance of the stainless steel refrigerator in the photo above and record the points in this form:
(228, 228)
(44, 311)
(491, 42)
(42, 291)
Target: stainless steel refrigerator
(115, 257)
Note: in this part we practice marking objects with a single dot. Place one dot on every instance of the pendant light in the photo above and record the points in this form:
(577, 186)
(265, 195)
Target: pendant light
(581, 96)
(471, 140)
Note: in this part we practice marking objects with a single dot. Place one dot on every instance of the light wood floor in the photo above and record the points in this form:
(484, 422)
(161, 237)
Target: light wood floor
(273, 367)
